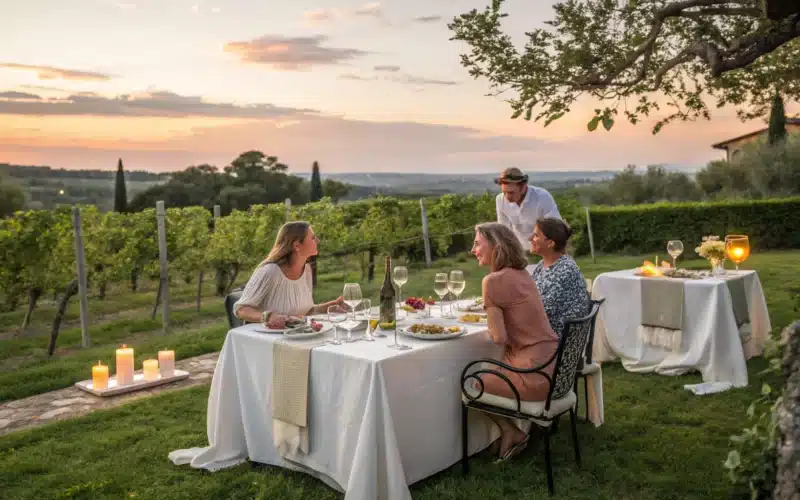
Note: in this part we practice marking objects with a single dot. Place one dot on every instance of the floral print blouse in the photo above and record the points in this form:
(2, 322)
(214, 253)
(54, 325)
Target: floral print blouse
(563, 291)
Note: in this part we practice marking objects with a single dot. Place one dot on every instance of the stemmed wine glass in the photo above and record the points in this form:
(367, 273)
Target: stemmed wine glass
(336, 314)
(674, 249)
(364, 310)
(374, 320)
(400, 278)
(440, 287)
(737, 248)
(456, 285)
(352, 297)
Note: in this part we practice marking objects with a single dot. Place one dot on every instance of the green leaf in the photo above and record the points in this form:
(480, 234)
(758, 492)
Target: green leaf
(751, 409)
(592, 126)
(766, 389)
(516, 114)
(734, 460)
(528, 113)
(608, 122)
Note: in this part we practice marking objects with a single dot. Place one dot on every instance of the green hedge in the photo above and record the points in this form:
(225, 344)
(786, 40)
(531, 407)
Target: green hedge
(638, 229)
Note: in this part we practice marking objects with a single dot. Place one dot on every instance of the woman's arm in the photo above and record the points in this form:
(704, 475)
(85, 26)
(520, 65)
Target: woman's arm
(495, 320)
(323, 308)
(497, 325)
(249, 314)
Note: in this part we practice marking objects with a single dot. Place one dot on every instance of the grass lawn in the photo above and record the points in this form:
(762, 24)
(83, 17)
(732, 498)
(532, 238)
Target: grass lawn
(659, 441)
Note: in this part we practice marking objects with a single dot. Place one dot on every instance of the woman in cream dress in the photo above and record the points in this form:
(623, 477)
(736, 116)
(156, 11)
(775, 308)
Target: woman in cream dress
(281, 286)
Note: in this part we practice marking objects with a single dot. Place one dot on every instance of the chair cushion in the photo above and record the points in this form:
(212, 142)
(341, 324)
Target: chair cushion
(594, 367)
(532, 408)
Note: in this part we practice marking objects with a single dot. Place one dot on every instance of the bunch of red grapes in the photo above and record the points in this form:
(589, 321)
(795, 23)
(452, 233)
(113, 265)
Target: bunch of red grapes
(419, 303)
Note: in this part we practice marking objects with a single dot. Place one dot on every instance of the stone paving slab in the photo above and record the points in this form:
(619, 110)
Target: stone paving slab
(72, 402)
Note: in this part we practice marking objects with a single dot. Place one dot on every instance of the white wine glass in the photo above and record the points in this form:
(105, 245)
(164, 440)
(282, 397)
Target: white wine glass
(400, 278)
(456, 285)
(674, 249)
(336, 315)
(440, 287)
(374, 320)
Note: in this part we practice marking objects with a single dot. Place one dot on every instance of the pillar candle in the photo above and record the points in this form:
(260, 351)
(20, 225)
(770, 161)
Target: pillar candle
(166, 363)
(124, 365)
(150, 369)
(100, 376)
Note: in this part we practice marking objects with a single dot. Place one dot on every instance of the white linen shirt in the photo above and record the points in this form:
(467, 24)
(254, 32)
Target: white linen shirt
(538, 203)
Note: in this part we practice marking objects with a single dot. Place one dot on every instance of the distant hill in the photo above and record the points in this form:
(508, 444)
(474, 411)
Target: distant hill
(429, 184)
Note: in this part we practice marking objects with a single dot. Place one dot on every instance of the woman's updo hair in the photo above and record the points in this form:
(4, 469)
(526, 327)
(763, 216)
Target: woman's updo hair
(555, 230)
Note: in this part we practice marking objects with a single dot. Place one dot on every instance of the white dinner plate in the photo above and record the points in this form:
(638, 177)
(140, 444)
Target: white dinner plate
(326, 327)
(462, 306)
(432, 336)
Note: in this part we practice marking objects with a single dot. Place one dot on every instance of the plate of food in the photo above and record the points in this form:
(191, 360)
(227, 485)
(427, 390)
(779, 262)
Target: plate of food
(431, 330)
(297, 328)
(474, 306)
(417, 304)
(473, 319)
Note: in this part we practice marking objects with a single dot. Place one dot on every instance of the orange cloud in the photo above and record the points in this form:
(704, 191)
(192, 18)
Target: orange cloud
(291, 54)
(52, 73)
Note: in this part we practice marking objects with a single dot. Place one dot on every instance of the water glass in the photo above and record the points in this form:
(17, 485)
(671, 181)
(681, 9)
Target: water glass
(336, 315)
(363, 313)
(352, 296)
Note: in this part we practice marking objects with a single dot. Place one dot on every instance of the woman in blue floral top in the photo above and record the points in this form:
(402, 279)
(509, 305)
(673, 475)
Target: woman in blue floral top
(557, 276)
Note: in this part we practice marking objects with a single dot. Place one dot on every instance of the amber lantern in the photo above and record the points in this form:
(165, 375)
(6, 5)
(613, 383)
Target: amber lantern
(737, 248)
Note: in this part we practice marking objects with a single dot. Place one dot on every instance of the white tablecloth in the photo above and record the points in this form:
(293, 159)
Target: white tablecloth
(710, 342)
(379, 419)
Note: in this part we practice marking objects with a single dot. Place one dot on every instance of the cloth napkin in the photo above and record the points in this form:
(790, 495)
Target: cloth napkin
(741, 311)
(662, 312)
(290, 368)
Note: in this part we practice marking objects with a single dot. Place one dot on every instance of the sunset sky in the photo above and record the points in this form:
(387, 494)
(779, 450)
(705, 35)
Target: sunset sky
(356, 86)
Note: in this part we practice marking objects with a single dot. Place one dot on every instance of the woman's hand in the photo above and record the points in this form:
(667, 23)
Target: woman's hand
(338, 301)
(277, 321)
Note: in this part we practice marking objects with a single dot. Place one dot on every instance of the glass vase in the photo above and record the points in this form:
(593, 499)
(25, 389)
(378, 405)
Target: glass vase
(717, 266)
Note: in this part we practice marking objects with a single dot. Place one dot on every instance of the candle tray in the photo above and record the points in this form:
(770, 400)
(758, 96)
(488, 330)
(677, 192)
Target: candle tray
(138, 384)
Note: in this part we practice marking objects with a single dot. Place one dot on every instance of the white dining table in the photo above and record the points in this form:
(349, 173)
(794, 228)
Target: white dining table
(711, 342)
(379, 419)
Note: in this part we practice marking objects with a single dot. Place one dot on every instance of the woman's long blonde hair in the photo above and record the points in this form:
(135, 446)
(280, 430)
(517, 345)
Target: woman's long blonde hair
(506, 248)
(289, 234)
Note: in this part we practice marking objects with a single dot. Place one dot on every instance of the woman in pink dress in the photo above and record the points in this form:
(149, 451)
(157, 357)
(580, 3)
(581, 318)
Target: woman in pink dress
(516, 320)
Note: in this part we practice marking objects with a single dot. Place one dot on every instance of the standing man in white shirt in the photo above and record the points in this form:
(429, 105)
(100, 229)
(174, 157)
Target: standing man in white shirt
(519, 206)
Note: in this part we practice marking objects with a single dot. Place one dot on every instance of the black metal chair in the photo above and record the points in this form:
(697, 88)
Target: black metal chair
(560, 397)
(587, 367)
(231, 299)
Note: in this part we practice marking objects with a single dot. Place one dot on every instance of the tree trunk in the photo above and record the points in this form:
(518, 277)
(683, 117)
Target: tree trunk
(158, 299)
(69, 291)
(33, 297)
(103, 287)
(371, 274)
(221, 281)
(233, 279)
(788, 474)
(134, 280)
(199, 290)
(313, 263)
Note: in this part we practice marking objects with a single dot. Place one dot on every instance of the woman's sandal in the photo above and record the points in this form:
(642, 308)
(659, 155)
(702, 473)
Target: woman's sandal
(514, 450)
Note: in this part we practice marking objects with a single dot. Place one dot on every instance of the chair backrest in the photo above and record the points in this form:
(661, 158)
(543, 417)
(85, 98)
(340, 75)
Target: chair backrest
(590, 342)
(571, 349)
(231, 299)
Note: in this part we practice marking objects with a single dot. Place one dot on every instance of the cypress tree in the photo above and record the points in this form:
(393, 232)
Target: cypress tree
(316, 184)
(777, 121)
(120, 194)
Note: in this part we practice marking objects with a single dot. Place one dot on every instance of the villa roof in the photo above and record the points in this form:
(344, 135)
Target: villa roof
(724, 144)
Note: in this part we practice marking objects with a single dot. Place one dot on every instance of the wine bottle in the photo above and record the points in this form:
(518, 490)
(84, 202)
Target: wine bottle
(387, 296)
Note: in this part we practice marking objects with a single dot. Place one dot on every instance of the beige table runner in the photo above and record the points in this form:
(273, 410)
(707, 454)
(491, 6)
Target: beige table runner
(662, 312)
(290, 368)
